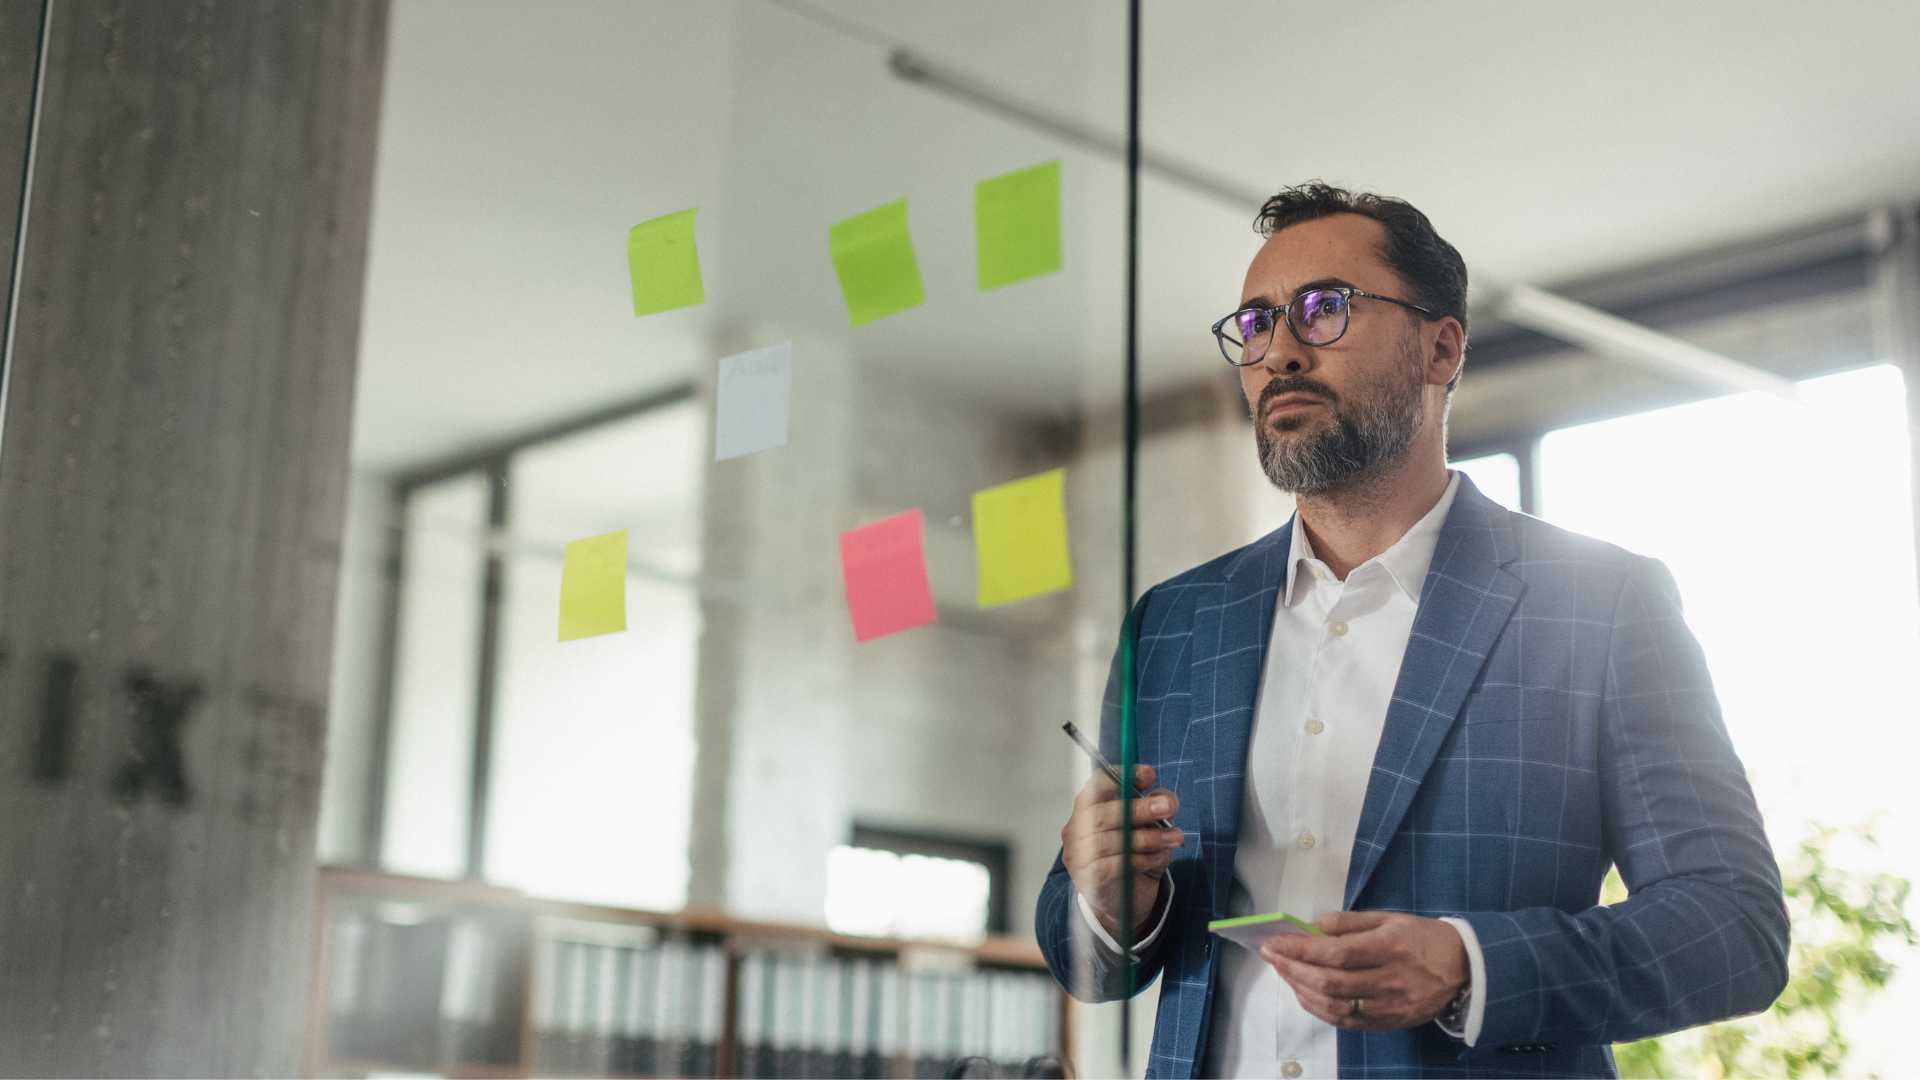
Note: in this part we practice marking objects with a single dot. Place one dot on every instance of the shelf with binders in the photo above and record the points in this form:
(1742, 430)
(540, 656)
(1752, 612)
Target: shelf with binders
(467, 979)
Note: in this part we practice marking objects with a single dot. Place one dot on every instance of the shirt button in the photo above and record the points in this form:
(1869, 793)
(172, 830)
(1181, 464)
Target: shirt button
(1315, 727)
(1339, 629)
(1291, 1069)
(1306, 840)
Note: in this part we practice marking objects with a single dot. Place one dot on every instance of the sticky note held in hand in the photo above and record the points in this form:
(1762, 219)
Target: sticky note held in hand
(1016, 224)
(1020, 538)
(663, 262)
(873, 257)
(593, 587)
(885, 567)
(1251, 931)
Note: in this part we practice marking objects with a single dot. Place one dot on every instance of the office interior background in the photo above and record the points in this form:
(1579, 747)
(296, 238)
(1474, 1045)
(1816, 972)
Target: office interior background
(322, 348)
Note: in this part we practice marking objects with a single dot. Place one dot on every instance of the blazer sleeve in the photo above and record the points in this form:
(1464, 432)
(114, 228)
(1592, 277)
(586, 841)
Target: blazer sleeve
(1085, 968)
(1703, 934)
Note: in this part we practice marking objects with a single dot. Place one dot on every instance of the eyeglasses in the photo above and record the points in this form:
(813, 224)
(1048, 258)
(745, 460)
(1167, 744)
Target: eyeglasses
(1316, 316)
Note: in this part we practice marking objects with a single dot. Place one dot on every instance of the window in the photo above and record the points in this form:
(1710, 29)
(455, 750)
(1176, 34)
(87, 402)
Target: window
(592, 779)
(583, 753)
(897, 883)
(1496, 475)
(1790, 533)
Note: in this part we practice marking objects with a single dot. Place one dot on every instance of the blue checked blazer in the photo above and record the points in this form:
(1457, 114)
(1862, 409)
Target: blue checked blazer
(1552, 716)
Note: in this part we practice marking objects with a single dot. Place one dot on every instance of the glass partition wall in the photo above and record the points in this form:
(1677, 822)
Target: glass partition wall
(766, 414)
(735, 522)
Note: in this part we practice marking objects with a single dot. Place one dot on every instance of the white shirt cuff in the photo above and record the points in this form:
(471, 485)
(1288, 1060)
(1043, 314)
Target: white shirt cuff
(1476, 984)
(1145, 943)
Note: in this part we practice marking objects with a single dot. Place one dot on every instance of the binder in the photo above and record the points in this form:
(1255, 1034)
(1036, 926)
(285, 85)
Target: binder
(889, 992)
(789, 1047)
(750, 1018)
(604, 993)
(679, 1001)
(579, 1006)
(817, 1019)
(464, 1000)
(711, 1019)
(846, 1054)
(623, 1057)
(346, 986)
(862, 1023)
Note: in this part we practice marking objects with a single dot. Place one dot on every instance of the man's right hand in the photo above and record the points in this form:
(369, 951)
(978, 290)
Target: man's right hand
(1090, 847)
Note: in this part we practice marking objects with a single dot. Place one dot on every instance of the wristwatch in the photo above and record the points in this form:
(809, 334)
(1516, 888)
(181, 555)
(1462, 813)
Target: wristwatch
(1454, 1016)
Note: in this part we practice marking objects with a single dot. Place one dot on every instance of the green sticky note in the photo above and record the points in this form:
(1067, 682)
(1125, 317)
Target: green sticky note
(1016, 225)
(1020, 538)
(1252, 931)
(873, 256)
(664, 263)
(593, 586)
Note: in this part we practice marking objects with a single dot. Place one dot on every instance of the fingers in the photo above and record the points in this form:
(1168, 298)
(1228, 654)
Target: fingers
(1158, 805)
(1365, 949)
(1093, 877)
(1096, 845)
(1352, 922)
(1334, 983)
(1100, 788)
(1381, 1010)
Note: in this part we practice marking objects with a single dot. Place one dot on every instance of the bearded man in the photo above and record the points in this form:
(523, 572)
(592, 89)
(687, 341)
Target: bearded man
(1424, 721)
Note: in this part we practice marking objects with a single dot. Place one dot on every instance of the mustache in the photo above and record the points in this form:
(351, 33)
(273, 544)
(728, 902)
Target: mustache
(1280, 388)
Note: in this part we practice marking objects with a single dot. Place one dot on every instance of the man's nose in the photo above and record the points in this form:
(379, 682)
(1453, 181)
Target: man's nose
(1289, 360)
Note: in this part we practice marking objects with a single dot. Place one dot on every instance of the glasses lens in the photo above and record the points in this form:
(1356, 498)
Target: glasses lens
(1248, 333)
(1319, 315)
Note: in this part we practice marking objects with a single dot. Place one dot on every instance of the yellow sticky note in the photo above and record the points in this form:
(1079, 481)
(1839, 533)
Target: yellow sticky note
(593, 587)
(1020, 538)
(873, 257)
(664, 263)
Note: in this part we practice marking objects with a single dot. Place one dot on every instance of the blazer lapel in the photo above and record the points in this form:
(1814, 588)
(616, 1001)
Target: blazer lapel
(1464, 604)
(1230, 634)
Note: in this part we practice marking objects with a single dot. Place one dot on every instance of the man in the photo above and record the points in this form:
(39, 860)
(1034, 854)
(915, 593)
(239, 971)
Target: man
(1427, 722)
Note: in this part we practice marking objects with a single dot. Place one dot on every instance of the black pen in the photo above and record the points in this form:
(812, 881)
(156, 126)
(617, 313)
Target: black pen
(1105, 766)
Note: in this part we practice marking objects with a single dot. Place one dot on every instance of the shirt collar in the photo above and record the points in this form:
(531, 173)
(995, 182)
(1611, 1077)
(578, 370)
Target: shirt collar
(1406, 561)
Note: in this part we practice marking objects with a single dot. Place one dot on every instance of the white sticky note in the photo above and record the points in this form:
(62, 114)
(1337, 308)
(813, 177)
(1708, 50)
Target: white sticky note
(753, 401)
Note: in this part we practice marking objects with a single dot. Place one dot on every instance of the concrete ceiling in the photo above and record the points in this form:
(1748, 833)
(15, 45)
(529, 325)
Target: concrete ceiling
(520, 141)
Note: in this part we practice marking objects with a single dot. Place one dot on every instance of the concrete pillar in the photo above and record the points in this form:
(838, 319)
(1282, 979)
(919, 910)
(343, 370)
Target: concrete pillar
(172, 472)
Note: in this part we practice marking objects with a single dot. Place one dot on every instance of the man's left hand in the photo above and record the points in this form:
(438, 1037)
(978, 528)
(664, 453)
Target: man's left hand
(1403, 969)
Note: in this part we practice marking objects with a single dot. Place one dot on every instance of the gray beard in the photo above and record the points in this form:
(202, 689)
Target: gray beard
(1361, 444)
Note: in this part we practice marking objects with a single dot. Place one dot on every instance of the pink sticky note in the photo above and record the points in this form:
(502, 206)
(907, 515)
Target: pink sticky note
(886, 572)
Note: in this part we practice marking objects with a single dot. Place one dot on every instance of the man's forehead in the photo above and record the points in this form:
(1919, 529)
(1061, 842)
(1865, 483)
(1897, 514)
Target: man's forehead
(1341, 249)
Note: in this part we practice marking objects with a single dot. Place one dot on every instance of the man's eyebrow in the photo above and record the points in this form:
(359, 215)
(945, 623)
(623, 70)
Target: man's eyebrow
(1263, 300)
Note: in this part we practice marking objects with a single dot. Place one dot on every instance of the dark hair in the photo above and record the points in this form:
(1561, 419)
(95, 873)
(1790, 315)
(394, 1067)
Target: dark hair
(1432, 268)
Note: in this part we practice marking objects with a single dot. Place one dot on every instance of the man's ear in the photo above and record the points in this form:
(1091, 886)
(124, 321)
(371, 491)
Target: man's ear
(1449, 351)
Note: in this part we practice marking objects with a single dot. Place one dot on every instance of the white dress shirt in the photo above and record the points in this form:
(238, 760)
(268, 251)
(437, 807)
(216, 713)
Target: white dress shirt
(1332, 662)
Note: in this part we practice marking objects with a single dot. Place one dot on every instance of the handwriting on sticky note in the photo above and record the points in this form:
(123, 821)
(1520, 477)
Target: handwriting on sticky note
(873, 257)
(752, 401)
(663, 262)
(1016, 223)
(1020, 538)
(593, 586)
(885, 567)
